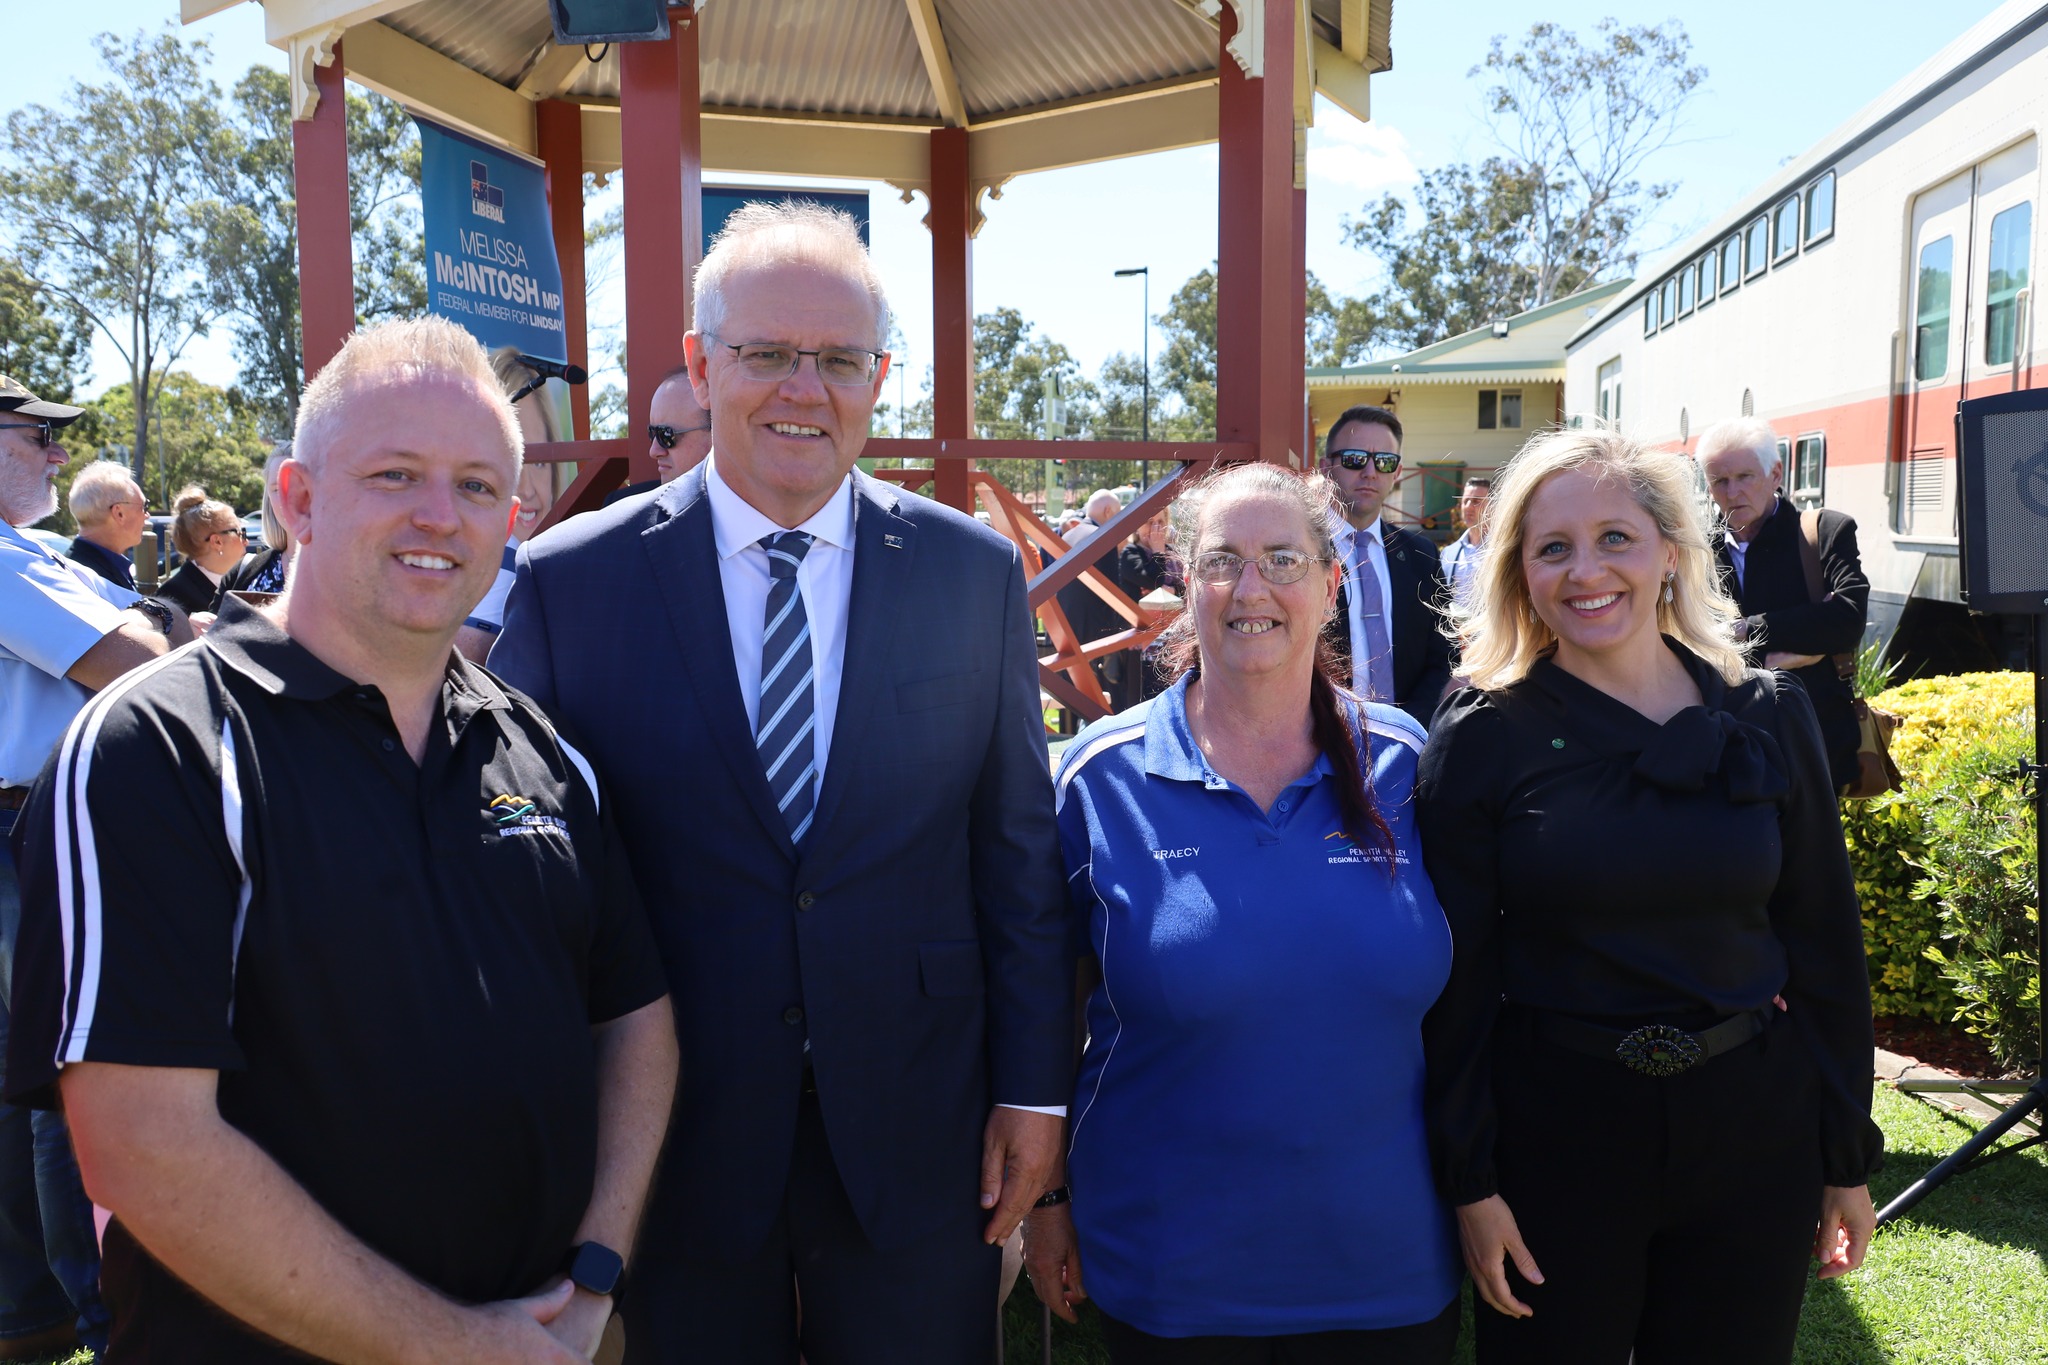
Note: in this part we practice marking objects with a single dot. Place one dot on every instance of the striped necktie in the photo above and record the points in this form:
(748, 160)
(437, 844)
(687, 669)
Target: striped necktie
(787, 719)
(1374, 668)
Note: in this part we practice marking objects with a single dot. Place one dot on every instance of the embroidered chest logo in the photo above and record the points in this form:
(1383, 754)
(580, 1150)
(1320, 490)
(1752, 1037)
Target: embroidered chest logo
(1349, 851)
(516, 815)
(1166, 854)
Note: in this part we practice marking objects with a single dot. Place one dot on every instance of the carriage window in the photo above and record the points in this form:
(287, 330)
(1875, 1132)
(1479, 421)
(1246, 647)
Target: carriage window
(1731, 264)
(1650, 313)
(1930, 318)
(1756, 240)
(1809, 460)
(1705, 271)
(1610, 390)
(1820, 208)
(2011, 238)
(1685, 282)
(1785, 229)
(1670, 302)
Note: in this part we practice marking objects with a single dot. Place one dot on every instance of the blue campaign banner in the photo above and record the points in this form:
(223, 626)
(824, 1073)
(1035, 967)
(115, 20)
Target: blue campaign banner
(491, 262)
(721, 200)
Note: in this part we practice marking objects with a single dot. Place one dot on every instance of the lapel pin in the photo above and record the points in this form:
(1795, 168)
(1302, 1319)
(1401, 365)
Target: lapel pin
(893, 542)
(1557, 744)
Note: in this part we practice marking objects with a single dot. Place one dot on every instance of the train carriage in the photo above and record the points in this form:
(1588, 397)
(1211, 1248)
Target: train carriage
(1851, 301)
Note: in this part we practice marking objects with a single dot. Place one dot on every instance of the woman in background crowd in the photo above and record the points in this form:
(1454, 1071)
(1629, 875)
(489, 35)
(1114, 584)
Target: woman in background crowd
(209, 534)
(264, 571)
(1141, 567)
(1636, 841)
(1250, 1177)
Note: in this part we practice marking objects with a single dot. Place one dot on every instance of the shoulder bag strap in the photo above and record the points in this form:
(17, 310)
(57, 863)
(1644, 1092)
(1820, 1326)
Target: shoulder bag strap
(1809, 554)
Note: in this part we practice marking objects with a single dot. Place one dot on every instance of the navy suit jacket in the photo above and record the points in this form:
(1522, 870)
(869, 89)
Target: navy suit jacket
(1422, 656)
(918, 938)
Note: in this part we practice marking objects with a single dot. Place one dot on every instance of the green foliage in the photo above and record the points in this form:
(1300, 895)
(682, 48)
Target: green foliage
(1187, 367)
(1873, 674)
(44, 339)
(1944, 721)
(1979, 824)
(208, 436)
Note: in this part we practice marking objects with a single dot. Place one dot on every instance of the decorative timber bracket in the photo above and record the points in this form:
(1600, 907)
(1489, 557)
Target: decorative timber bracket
(976, 219)
(1249, 45)
(309, 50)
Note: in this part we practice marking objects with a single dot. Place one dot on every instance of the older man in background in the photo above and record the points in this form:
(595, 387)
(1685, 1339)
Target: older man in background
(108, 506)
(1796, 576)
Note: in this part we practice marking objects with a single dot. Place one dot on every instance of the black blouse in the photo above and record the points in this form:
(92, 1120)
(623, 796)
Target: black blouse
(1594, 862)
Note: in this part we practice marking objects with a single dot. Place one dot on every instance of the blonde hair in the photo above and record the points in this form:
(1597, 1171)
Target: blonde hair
(795, 232)
(1498, 630)
(513, 375)
(388, 352)
(98, 488)
(195, 517)
(276, 534)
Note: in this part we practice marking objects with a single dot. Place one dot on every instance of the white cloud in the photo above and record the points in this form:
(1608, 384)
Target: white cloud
(1361, 158)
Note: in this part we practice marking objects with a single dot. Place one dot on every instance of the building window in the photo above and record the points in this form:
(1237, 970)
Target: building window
(1685, 283)
(1684, 425)
(1705, 271)
(1610, 391)
(2011, 237)
(1809, 467)
(1500, 409)
(1731, 265)
(1756, 244)
(1650, 313)
(1785, 230)
(1820, 209)
(1670, 306)
(1748, 403)
(1930, 314)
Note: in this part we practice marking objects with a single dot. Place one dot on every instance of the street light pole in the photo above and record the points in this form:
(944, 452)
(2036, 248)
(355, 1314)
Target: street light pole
(1145, 419)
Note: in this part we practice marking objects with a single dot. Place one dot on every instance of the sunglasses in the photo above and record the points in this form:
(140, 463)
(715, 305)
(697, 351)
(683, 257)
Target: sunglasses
(1385, 462)
(667, 436)
(45, 431)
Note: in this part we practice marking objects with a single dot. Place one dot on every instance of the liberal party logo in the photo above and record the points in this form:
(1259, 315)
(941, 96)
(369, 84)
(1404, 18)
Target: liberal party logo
(485, 199)
(515, 815)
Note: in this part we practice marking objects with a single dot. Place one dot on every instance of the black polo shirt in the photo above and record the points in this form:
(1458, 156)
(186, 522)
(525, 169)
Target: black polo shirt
(232, 863)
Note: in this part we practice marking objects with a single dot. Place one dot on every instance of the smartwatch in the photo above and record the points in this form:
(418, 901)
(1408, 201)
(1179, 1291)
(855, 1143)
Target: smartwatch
(595, 1267)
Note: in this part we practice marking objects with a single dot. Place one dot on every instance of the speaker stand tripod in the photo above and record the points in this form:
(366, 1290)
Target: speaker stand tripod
(2031, 1108)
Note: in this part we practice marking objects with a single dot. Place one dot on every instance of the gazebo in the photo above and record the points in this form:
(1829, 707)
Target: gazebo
(950, 99)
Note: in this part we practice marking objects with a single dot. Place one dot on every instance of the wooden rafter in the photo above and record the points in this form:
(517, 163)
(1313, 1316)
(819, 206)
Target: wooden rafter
(938, 63)
(552, 70)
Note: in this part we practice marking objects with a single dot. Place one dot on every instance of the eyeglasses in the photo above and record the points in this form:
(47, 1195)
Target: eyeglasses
(237, 532)
(772, 362)
(1220, 568)
(666, 436)
(45, 431)
(1386, 462)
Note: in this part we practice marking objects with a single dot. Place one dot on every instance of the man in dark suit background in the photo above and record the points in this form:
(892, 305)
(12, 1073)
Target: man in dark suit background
(1386, 624)
(1782, 624)
(814, 700)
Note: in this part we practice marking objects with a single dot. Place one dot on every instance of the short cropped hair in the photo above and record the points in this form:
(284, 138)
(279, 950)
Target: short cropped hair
(1364, 412)
(407, 349)
(1752, 434)
(98, 487)
(794, 232)
(1480, 482)
(1497, 628)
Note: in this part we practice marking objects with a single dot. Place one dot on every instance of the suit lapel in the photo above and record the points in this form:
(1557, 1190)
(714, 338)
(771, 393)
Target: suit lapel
(884, 549)
(1402, 580)
(683, 559)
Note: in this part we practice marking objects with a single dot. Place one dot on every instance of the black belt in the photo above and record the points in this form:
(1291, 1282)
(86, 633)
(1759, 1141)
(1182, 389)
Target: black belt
(13, 798)
(1653, 1049)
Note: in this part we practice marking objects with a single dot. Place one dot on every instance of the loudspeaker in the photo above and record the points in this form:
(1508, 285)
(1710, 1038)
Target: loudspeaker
(608, 21)
(2002, 474)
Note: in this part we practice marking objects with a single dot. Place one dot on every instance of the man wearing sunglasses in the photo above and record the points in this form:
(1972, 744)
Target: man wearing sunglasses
(1385, 625)
(65, 633)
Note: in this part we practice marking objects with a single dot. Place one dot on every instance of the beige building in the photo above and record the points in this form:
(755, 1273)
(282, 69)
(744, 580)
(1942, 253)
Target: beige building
(1466, 403)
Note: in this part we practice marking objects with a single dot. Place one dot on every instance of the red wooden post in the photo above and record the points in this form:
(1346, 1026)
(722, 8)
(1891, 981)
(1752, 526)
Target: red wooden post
(1259, 350)
(327, 280)
(662, 151)
(952, 200)
(558, 125)
(1297, 315)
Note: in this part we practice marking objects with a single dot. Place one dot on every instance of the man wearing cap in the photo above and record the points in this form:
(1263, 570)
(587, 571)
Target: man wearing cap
(65, 632)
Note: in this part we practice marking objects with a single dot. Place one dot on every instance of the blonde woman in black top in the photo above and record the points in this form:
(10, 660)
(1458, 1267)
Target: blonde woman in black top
(1650, 1072)
(209, 534)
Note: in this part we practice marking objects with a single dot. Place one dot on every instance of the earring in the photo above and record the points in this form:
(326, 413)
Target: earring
(1670, 580)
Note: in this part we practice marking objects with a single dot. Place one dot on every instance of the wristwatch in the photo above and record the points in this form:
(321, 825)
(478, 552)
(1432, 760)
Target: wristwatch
(156, 611)
(595, 1267)
(1052, 1198)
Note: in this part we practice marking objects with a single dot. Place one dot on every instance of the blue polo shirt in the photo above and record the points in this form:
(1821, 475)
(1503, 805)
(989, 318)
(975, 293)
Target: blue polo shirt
(51, 612)
(1248, 1155)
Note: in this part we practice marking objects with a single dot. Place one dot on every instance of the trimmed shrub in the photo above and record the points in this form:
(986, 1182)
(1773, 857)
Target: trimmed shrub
(1944, 721)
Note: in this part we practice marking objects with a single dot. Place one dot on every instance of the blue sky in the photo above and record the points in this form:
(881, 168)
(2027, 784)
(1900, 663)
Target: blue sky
(1773, 88)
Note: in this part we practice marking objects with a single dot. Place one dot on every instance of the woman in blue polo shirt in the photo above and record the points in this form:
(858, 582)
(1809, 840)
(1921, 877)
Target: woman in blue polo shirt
(1250, 1179)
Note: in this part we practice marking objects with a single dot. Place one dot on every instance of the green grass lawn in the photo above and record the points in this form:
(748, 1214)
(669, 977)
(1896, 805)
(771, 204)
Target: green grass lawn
(1962, 1280)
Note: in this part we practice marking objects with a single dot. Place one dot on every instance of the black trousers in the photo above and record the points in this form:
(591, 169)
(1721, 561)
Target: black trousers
(933, 1303)
(1424, 1343)
(1672, 1217)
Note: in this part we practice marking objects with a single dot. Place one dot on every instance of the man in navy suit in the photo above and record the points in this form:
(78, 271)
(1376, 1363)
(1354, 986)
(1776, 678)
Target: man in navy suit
(814, 700)
(1385, 628)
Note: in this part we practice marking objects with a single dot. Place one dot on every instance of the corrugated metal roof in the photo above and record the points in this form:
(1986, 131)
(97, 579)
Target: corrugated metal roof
(495, 38)
(854, 57)
(1010, 56)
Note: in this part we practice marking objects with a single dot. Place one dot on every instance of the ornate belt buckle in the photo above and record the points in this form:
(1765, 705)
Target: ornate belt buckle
(1659, 1050)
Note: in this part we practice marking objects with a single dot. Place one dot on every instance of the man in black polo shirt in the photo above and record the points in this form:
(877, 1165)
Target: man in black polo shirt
(365, 1043)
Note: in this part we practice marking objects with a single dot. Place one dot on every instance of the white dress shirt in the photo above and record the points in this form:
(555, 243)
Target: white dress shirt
(825, 582)
(1349, 538)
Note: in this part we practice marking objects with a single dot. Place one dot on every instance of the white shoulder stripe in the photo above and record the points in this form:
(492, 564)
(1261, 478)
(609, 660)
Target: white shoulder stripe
(1395, 732)
(1105, 736)
(78, 888)
(582, 766)
(1391, 722)
(231, 820)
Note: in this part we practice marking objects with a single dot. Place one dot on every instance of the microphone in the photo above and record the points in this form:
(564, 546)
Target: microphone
(545, 370)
